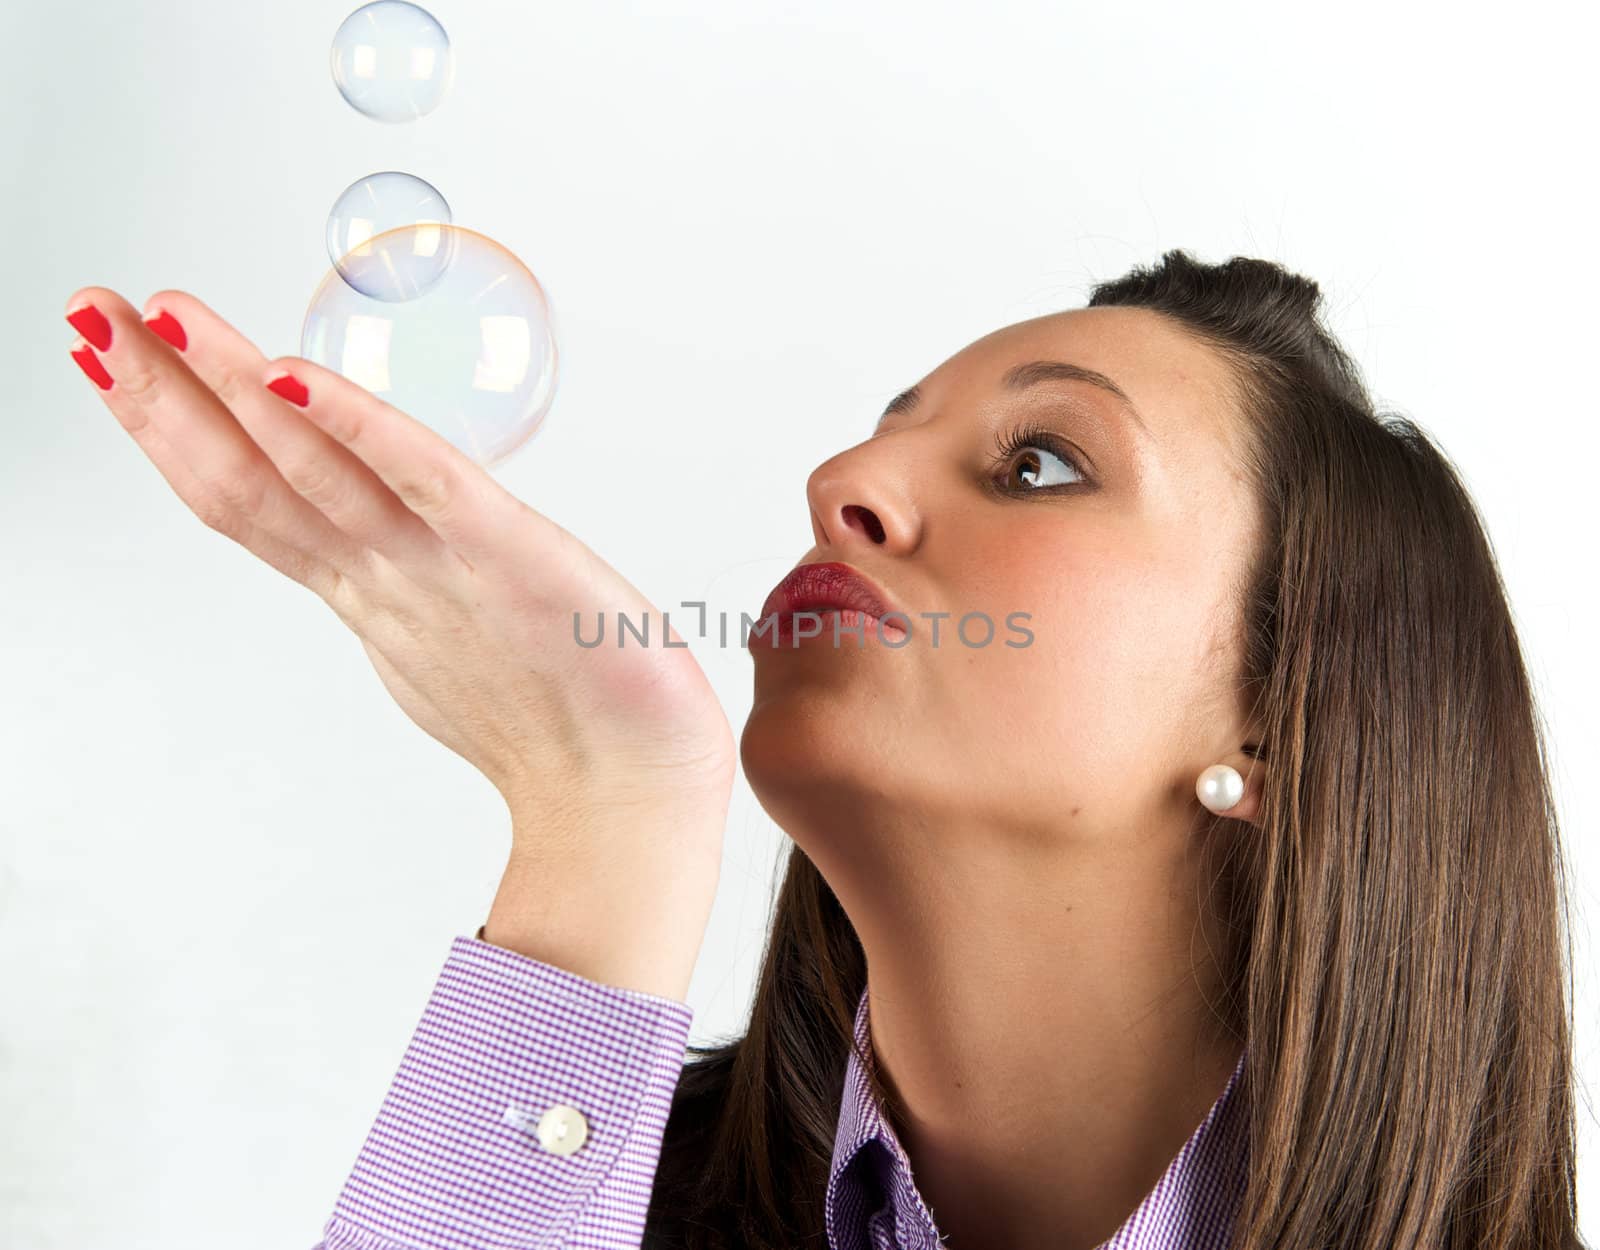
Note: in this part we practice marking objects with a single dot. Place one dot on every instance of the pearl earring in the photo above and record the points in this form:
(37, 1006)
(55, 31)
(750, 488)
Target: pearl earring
(1219, 787)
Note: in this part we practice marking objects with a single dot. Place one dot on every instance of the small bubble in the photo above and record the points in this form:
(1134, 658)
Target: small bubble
(405, 264)
(391, 60)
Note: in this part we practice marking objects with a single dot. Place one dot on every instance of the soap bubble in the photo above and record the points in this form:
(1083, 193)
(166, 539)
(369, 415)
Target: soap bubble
(374, 206)
(473, 357)
(391, 60)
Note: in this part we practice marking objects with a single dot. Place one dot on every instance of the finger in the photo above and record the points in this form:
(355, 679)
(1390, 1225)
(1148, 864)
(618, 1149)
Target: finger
(203, 420)
(452, 495)
(317, 575)
(153, 390)
(332, 479)
(376, 632)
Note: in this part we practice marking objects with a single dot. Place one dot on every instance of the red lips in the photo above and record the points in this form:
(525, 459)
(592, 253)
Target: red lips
(817, 587)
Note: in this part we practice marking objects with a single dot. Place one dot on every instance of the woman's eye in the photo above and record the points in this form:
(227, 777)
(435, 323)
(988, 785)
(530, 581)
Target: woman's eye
(1031, 466)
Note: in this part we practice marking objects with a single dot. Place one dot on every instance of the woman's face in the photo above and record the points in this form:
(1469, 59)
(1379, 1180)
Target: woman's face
(1122, 529)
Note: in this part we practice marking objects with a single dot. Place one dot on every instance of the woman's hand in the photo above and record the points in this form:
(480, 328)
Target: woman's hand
(462, 595)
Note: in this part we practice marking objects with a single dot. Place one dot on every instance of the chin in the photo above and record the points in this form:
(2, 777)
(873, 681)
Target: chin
(805, 755)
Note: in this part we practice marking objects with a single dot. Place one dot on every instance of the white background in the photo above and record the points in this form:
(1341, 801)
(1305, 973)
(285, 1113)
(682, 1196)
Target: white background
(231, 866)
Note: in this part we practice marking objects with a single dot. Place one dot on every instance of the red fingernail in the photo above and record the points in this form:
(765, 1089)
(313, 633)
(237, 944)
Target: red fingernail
(291, 388)
(90, 364)
(90, 322)
(166, 325)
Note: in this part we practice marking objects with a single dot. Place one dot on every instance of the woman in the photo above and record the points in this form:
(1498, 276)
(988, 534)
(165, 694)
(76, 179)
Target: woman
(1220, 905)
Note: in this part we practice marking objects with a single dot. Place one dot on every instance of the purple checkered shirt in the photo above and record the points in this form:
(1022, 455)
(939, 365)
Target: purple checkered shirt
(529, 1108)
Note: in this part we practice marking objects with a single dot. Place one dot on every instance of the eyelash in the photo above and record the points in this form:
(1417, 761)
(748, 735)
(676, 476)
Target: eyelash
(1008, 445)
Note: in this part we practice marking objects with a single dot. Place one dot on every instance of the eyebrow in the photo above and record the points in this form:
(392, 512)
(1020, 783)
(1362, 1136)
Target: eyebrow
(1032, 373)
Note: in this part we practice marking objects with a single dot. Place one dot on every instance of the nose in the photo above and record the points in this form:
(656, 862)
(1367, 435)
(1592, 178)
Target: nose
(858, 497)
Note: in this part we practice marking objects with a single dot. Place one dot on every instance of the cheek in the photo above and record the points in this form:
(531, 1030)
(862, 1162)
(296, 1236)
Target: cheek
(1100, 683)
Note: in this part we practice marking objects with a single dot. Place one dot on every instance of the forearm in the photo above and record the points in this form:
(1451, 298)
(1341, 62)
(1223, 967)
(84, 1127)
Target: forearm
(597, 905)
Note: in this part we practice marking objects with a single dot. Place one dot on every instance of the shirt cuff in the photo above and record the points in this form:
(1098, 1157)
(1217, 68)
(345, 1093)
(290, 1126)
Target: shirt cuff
(528, 1109)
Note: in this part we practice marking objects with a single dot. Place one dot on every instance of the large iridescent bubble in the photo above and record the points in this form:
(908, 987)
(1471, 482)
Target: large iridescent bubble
(473, 357)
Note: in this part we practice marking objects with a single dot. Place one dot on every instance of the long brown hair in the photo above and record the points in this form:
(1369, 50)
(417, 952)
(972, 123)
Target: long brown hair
(1401, 971)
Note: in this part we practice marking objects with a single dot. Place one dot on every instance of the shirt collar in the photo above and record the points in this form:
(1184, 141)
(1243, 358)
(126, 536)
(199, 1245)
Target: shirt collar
(870, 1183)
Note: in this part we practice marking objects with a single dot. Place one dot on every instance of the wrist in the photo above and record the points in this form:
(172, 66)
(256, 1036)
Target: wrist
(628, 909)
(660, 968)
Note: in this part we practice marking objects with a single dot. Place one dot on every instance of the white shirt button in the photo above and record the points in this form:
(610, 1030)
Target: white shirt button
(563, 1130)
